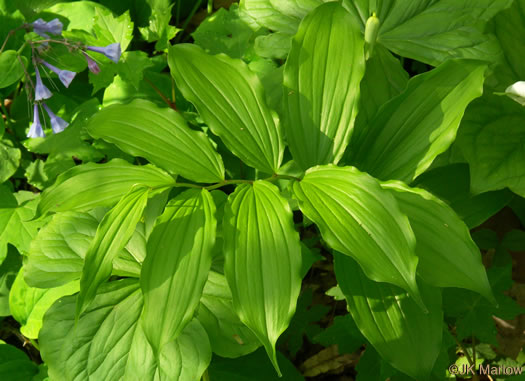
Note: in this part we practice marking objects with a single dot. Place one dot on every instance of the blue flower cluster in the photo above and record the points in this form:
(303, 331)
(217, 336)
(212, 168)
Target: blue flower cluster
(54, 27)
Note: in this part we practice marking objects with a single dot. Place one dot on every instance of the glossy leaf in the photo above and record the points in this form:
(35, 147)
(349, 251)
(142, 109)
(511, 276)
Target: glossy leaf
(113, 233)
(162, 136)
(230, 99)
(262, 261)
(447, 255)
(28, 305)
(87, 186)
(360, 219)
(491, 139)
(56, 255)
(405, 336)
(321, 85)
(108, 343)
(445, 29)
(228, 336)
(9, 159)
(413, 128)
(177, 265)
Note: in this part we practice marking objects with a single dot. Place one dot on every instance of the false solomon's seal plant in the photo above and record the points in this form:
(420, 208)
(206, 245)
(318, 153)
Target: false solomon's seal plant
(177, 259)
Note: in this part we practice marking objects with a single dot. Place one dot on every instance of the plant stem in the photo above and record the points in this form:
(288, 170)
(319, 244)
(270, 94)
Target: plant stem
(159, 93)
(188, 19)
(11, 32)
(4, 111)
(228, 182)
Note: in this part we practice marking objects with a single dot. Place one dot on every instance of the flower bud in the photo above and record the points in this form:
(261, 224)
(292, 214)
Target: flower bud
(36, 131)
(41, 27)
(92, 65)
(517, 92)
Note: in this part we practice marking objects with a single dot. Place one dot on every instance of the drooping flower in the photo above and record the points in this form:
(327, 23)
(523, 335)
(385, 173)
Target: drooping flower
(92, 65)
(41, 91)
(111, 51)
(36, 131)
(41, 27)
(57, 123)
(516, 92)
(65, 76)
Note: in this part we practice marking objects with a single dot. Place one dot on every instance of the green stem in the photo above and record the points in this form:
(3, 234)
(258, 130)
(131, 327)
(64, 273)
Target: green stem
(228, 182)
(210, 6)
(188, 19)
(232, 182)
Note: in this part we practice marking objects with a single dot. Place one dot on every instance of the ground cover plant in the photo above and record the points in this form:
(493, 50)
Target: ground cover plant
(262, 190)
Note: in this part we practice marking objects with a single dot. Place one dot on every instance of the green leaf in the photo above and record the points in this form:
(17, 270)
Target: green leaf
(160, 135)
(9, 159)
(490, 138)
(113, 233)
(110, 29)
(230, 99)
(360, 219)
(342, 332)
(42, 174)
(132, 65)
(224, 32)
(159, 29)
(108, 342)
(321, 82)
(405, 336)
(10, 264)
(56, 255)
(177, 265)
(451, 184)
(28, 305)
(254, 367)
(262, 261)
(87, 186)
(384, 79)
(446, 29)
(228, 336)
(16, 211)
(447, 255)
(412, 129)
(509, 29)
(273, 45)
(474, 315)
(15, 365)
(10, 68)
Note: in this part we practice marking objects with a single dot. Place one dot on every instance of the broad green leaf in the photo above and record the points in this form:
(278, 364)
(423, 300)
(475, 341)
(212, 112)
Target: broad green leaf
(509, 28)
(254, 367)
(224, 32)
(113, 233)
(87, 186)
(360, 219)
(228, 336)
(321, 85)
(108, 343)
(76, 15)
(263, 13)
(10, 68)
(412, 129)
(28, 305)
(14, 364)
(56, 255)
(491, 139)
(159, 28)
(230, 99)
(405, 336)
(384, 79)
(446, 29)
(262, 261)
(447, 255)
(160, 135)
(110, 29)
(9, 159)
(177, 265)
(16, 211)
(451, 183)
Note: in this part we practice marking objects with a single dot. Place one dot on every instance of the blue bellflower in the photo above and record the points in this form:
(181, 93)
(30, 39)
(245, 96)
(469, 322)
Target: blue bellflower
(65, 76)
(41, 27)
(112, 51)
(36, 131)
(92, 65)
(57, 123)
(41, 91)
